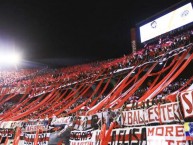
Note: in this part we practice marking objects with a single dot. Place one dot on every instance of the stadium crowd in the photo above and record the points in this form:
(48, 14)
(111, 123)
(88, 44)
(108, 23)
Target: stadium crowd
(46, 78)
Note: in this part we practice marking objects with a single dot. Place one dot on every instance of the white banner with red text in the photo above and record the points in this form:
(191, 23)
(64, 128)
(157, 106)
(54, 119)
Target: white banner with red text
(187, 103)
(166, 135)
(166, 113)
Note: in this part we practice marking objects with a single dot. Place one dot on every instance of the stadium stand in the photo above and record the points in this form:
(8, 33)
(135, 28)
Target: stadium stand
(122, 99)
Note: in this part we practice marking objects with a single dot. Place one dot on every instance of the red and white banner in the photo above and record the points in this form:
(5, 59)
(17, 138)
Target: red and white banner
(134, 117)
(62, 120)
(135, 136)
(166, 135)
(187, 103)
(82, 137)
(168, 113)
(84, 122)
(6, 132)
(11, 124)
(43, 139)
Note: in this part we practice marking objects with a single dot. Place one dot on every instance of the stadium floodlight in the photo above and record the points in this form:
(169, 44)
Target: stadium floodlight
(10, 58)
(15, 58)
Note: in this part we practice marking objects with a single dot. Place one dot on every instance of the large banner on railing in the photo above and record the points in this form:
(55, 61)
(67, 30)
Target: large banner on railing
(6, 132)
(131, 136)
(187, 103)
(136, 135)
(11, 124)
(166, 135)
(166, 113)
(62, 120)
(32, 126)
(82, 137)
(28, 138)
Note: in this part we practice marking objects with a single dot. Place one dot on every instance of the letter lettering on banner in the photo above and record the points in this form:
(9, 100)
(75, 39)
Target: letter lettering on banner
(156, 112)
(159, 131)
(150, 112)
(169, 131)
(179, 130)
(6, 132)
(129, 118)
(169, 109)
(163, 112)
(135, 131)
(187, 103)
(166, 135)
(113, 138)
(150, 131)
(143, 136)
(120, 135)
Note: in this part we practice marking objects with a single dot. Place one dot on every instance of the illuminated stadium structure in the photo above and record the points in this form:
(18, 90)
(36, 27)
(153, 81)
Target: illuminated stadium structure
(144, 98)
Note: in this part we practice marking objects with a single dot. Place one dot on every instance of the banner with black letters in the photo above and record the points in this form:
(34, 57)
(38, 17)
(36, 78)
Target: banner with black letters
(6, 132)
(28, 138)
(82, 137)
(128, 136)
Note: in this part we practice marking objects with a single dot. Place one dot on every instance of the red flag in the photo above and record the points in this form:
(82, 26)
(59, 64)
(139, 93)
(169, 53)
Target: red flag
(17, 136)
(102, 134)
(171, 97)
(108, 134)
(36, 137)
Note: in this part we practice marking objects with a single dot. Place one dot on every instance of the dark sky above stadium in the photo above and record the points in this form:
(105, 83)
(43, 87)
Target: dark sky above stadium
(74, 31)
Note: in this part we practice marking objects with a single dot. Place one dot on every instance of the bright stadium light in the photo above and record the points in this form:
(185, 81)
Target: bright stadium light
(15, 58)
(10, 58)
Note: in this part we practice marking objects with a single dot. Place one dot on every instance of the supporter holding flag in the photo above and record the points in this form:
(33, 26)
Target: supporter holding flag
(119, 117)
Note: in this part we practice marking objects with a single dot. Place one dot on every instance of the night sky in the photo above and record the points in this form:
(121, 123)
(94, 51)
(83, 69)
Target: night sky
(74, 31)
